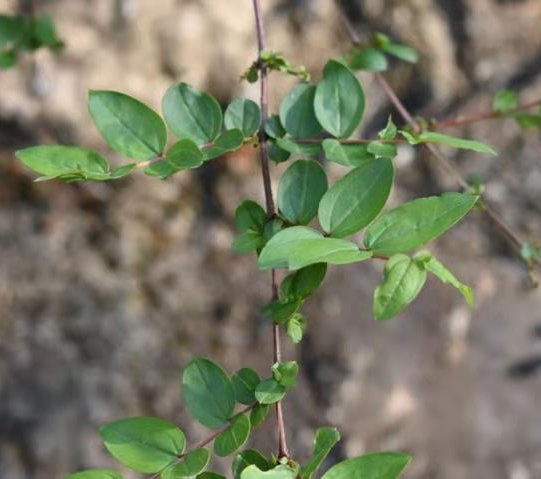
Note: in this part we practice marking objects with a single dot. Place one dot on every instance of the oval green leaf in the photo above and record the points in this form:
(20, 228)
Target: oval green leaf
(325, 250)
(185, 154)
(259, 414)
(279, 472)
(243, 115)
(379, 465)
(208, 393)
(192, 114)
(339, 101)
(144, 444)
(301, 187)
(229, 141)
(415, 223)
(95, 474)
(245, 381)
(127, 125)
(297, 112)
(234, 436)
(369, 59)
(247, 458)
(357, 198)
(325, 440)
(347, 155)
(190, 465)
(269, 391)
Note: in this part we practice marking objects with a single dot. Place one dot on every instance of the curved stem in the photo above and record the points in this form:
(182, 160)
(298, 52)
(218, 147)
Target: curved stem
(271, 210)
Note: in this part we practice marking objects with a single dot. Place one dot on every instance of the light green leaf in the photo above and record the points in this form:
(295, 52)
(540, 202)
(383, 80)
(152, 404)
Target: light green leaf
(243, 115)
(344, 154)
(192, 114)
(248, 458)
(368, 59)
(379, 465)
(390, 131)
(325, 440)
(185, 154)
(210, 475)
(296, 327)
(228, 141)
(269, 391)
(325, 250)
(402, 52)
(279, 472)
(208, 393)
(339, 101)
(248, 241)
(259, 414)
(144, 444)
(402, 282)
(234, 436)
(302, 283)
(290, 146)
(245, 381)
(454, 142)
(504, 100)
(297, 112)
(191, 464)
(127, 125)
(436, 267)
(382, 149)
(95, 474)
(357, 198)
(122, 171)
(161, 169)
(301, 187)
(285, 373)
(415, 223)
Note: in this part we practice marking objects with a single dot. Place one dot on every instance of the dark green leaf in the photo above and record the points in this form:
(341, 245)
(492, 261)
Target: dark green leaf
(302, 283)
(347, 155)
(274, 128)
(369, 59)
(208, 393)
(243, 115)
(250, 216)
(185, 154)
(192, 114)
(301, 187)
(191, 464)
(259, 414)
(379, 465)
(248, 241)
(272, 227)
(277, 154)
(229, 141)
(281, 311)
(415, 223)
(127, 125)
(325, 440)
(45, 34)
(234, 437)
(269, 391)
(402, 282)
(245, 381)
(339, 101)
(290, 146)
(357, 198)
(144, 444)
(161, 169)
(285, 373)
(210, 475)
(11, 29)
(297, 112)
(95, 474)
(528, 121)
(504, 100)
(7, 59)
(402, 52)
(247, 458)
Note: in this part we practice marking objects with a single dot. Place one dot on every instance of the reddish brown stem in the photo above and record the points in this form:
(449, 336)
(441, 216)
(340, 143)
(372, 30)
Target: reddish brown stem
(283, 450)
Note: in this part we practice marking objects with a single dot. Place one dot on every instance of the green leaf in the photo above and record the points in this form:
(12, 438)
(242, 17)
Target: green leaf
(368, 59)
(302, 283)
(245, 381)
(259, 414)
(122, 171)
(144, 444)
(127, 125)
(44, 32)
(528, 121)
(339, 101)
(504, 100)
(402, 282)
(185, 154)
(95, 474)
(56, 161)
(454, 142)
(281, 311)
(347, 155)
(210, 475)
(161, 169)
(290, 146)
(274, 128)
(191, 464)
(357, 198)
(296, 327)
(402, 52)
(229, 141)
(325, 250)
(277, 154)
(325, 440)
(248, 458)
(415, 223)
(7, 59)
(11, 29)
(248, 241)
(379, 465)
(382, 149)
(269, 391)
(279, 472)
(234, 437)
(192, 114)
(390, 131)
(285, 373)
(436, 267)
(297, 112)
(272, 227)
(250, 216)
(243, 115)
(301, 187)
(208, 393)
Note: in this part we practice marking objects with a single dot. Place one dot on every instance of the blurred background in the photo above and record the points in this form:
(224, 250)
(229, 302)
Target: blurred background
(107, 290)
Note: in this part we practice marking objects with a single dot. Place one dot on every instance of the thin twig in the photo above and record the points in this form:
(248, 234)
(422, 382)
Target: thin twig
(488, 115)
(271, 210)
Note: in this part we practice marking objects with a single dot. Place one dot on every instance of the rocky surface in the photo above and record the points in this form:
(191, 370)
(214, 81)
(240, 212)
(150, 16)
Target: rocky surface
(107, 290)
